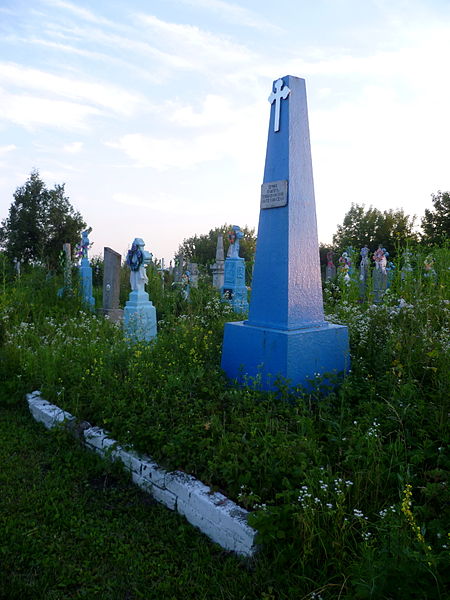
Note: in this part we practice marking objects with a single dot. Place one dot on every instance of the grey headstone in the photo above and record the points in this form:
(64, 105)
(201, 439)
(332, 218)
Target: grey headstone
(218, 268)
(193, 269)
(111, 284)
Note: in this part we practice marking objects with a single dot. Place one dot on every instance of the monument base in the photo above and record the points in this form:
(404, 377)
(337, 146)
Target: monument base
(139, 318)
(86, 284)
(296, 355)
(113, 314)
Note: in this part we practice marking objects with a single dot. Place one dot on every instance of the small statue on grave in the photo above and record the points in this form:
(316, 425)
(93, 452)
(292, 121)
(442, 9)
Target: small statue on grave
(81, 249)
(428, 266)
(380, 257)
(234, 236)
(344, 266)
(137, 260)
(186, 284)
(364, 264)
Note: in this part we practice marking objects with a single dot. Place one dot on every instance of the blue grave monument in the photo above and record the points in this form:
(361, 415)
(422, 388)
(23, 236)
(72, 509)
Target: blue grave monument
(85, 270)
(234, 290)
(286, 334)
(139, 315)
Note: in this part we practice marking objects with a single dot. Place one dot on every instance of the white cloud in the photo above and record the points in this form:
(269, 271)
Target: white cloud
(31, 112)
(106, 96)
(73, 148)
(78, 11)
(218, 131)
(234, 13)
(161, 203)
(6, 149)
(203, 48)
(216, 110)
(126, 43)
(165, 153)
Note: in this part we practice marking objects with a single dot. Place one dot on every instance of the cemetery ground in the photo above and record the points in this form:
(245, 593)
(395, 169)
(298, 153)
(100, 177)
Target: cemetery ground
(348, 485)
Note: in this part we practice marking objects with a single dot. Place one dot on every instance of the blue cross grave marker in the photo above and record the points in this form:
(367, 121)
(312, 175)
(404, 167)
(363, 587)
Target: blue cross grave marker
(286, 334)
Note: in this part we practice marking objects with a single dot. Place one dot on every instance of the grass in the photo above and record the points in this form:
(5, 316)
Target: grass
(74, 527)
(348, 485)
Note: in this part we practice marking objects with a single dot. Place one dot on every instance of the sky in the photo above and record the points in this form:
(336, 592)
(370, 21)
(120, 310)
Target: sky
(155, 113)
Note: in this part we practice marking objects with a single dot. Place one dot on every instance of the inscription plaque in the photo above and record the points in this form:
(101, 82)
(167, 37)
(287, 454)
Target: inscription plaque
(274, 194)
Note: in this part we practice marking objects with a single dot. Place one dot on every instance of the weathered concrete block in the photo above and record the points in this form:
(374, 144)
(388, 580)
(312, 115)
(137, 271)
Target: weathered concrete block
(213, 513)
(141, 465)
(236, 540)
(130, 459)
(97, 439)
(159, 494)
(46, 413)
(151, 471)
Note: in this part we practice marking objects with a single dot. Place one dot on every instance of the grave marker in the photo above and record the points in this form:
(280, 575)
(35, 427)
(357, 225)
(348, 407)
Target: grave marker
(234, 290)
(286, 333)
(86, 271)
(66, 260)
(218, 268)
(330, 271)
(139, 313)
(111, 284)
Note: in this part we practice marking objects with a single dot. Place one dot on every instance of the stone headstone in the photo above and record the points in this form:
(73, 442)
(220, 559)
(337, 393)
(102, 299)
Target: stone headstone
(67, 271)
(364, 270)
(330, 270)
(111, 284)
(390, 271)
(139, 313)
(17, 267)
(178, 268)
(234, 290)
(218, 267)
(185, 284)
(379, 274)
(161, 271)
(193, 271)
(85, 270)
(407, 269)
(286, 334)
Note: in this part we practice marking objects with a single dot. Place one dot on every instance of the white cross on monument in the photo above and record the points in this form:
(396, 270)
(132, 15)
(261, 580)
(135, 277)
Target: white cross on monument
(277, 96)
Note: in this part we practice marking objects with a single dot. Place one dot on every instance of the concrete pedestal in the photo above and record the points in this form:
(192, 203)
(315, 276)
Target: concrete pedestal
(86, 283)
(296, 355)
(139, 318)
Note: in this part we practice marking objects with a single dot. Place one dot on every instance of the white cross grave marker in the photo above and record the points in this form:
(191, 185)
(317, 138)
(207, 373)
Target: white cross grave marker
(276, 96)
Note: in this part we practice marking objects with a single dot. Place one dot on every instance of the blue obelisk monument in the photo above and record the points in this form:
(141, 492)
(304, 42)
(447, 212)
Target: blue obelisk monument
(286, 334)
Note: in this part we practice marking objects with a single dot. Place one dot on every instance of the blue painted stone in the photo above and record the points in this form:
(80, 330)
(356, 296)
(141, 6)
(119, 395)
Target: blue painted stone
(234, 290)
(86, 283)
(286, 334)
(139, 317)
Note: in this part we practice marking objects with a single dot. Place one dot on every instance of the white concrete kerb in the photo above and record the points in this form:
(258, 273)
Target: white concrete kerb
(214, 514)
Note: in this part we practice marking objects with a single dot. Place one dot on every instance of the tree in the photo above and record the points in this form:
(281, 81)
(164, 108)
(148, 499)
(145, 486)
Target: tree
(436, 223)
(40, 221)
(201, 249)
(390, 228)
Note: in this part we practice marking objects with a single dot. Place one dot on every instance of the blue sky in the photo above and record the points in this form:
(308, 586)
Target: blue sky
(155, 113)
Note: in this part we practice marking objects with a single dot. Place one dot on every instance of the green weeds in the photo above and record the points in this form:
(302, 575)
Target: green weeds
(324, 471)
